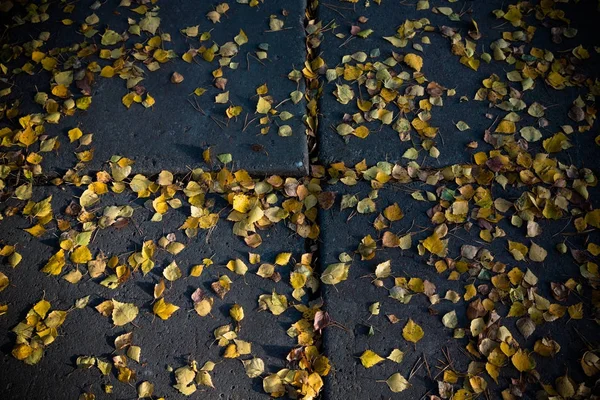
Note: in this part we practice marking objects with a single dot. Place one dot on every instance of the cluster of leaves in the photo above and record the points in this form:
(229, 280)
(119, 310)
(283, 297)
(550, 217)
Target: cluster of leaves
(255, 204)
(38, 330)
(123, 344)
(13, 259)
(460, 196)
(382, 93)
(73, 69)
(460, 201)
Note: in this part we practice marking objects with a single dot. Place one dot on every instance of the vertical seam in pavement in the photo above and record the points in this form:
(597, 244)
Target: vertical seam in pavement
(313, 92)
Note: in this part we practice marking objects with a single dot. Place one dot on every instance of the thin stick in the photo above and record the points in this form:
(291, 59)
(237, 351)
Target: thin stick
(427, 366)
(415, 368)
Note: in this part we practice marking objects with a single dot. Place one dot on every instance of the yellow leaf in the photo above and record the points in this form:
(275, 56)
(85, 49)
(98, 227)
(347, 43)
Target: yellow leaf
(196, 270)
(123, 313)
(522, 361)
(237, 266)
(7, 250)
(73, 276)
(396, 356)
(397, 383)
(576, 311)
(263, 106)
(537, 253)
(37, 56)
(28, 136)
(83, 103)
(204, 306)
(273, 385)
(149, 101)
(4, 282)
(556, 80)
(222, 98)
(254, 367)
(412, 332)
(283, 258)
(593, 218)
(163, 309)
(435, 245)
(276, 303)
(414, 61)
(335, 273)
(127, 100)
(22, 351)
(172, 272)
(297, 280)
(556, 143)
(75, 134)
(241, 203)
(506, 126)
(518, 250)
(370, 358)
(470, 292)
(241, 38)
(231, 351)
(37, 230)
(107, 72)
(81, 255)
(236, 312)
(56, 263)
(233, 111)
(145, 389)
(159, 289)
(60, 91)
(361, 132)
(393, 212)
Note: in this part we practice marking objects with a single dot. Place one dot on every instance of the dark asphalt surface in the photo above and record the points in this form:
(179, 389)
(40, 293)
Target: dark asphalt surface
(172, 136)
(348, 302)
(174, 342)
(441, 66)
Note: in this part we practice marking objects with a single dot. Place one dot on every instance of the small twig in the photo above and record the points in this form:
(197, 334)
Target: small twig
(247, 124)
(256, 58)
(196, 106)
(217, 122)
(415, 368)
(565, 227)
(333, 9)
(279, 30)
(346, 41)
(427, 366)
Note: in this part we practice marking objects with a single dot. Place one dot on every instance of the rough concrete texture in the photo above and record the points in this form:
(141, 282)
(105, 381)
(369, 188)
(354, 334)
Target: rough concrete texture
(172, 135)
(348, 302)
(185, 336)
(441, 66)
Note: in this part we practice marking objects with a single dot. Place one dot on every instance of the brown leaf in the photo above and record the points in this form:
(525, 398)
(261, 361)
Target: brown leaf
(322, 320)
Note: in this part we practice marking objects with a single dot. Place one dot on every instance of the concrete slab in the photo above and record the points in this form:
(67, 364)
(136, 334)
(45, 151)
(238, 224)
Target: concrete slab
(444, 68)
(174, 132)
(356, 330)
(170, 343)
